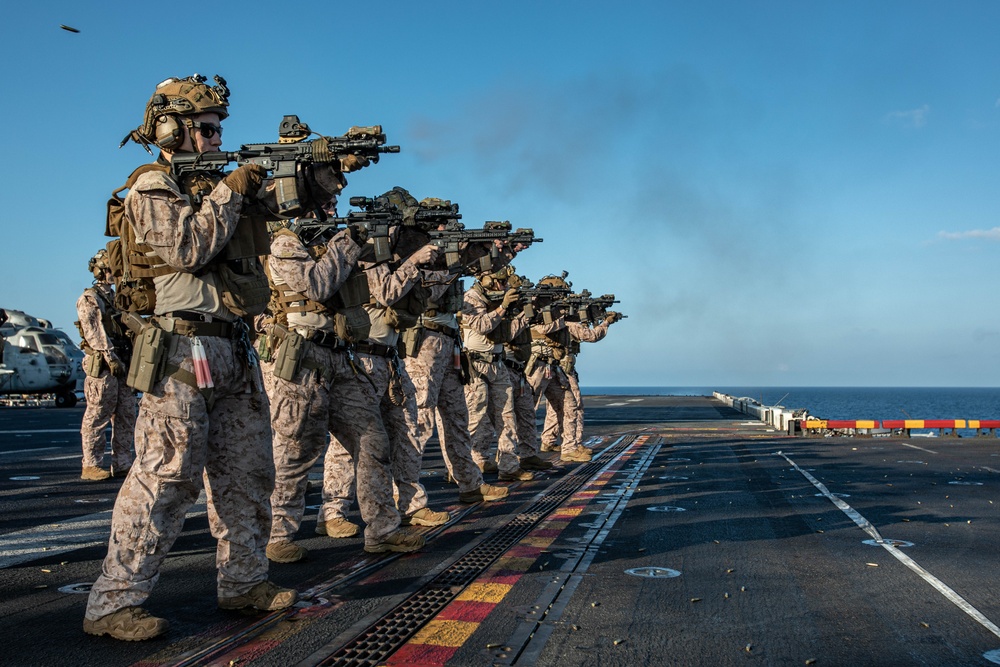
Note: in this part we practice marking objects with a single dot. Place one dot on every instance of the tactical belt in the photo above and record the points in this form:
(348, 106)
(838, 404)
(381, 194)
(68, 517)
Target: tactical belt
(516, 365)
(488, 357)
(376, 349)
(326, 339)
(440, 328)
(187, 323)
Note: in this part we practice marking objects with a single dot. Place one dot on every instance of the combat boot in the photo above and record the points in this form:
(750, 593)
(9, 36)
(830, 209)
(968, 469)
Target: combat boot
(484, 493)
(95, 474)
(131, 624)
(339, 527)
(265, 596)
(535, 463)
(588, 450)
(401, 541)
(425, 516)
(516, 475)
(576, 456)
(550, 447)
(284, 551)
(120, 473)
(488, 466)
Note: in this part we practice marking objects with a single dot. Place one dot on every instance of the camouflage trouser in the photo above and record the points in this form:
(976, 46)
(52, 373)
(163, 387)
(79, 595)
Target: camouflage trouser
(552, 429)
(359, 451)
(109, 401)
(490, 400)
(524, 411)
(551, 382)
(301, 411)
(181, 444)
(439, 389)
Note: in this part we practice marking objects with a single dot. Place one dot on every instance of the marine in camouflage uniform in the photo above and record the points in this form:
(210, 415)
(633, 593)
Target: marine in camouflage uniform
(437, 377)
(371, 434)
(489, 396)
(556, 415)
(190, 434)
(303, 279)
(109, 399)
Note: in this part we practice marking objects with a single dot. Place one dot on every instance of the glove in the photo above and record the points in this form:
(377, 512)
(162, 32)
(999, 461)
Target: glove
(246, 180)
(115, 364)
(351, 163)
(357, 234)
(611, 317)
(509, 299)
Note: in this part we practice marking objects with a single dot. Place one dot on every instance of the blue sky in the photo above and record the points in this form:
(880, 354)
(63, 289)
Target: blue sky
(780, 193)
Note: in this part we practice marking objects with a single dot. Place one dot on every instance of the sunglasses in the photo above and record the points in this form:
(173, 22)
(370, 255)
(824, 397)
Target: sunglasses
(207, 130)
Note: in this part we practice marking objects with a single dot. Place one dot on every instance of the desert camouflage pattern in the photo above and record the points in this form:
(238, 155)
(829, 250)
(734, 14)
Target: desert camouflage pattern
(439, 391)
(109, 399)
(301, 412)
(524, 411)
(552, 429)
(489, 395)
(301, 409)
(182, 446)
(548, 380)
(359, 444)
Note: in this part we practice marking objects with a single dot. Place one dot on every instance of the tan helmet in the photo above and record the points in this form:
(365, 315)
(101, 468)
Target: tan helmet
(556, 281)
(172, 98)
(489, 279)
(98, 264)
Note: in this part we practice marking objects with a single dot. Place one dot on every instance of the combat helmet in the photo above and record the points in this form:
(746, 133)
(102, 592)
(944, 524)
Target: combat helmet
(99, 263)
(557, 281)
(489, 279)
(172, 99)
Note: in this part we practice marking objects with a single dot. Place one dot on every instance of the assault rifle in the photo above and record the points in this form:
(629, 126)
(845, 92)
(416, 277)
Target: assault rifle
(284, 157)
(587, 307)
(454, 238)
(543, 297)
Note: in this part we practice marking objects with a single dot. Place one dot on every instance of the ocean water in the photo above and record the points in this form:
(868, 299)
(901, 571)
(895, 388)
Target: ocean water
(850, 402)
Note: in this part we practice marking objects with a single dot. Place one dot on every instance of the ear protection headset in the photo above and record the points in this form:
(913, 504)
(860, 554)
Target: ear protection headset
(169, 133)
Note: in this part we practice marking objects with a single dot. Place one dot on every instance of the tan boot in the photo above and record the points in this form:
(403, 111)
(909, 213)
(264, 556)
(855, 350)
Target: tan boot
(484, 493)
(516, 475)
(550, 447)
(400, 541)
(535, 463)
(425, 516)
(284, 551)
(339, 527)
(575, 456)
(265, 596)
(95, 474)
(131, 624)
(488, 466)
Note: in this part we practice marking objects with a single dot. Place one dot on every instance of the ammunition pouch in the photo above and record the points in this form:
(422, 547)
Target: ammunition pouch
(148, 358)
(93, 363)
(288, 356)
(351, 321)
(410, 340)
(568, 364)
(409, 309)
(244, 286)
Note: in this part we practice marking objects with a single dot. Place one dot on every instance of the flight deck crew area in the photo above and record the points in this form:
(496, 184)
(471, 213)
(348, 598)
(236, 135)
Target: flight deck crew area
(695, 535)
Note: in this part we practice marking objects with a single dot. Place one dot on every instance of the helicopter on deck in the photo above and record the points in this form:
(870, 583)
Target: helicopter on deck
(39, 359)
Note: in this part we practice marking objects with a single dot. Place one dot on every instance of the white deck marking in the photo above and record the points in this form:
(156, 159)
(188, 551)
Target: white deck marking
(57, 538)
(918, 447)
(613, 405)
(29, 451)
(866, 526)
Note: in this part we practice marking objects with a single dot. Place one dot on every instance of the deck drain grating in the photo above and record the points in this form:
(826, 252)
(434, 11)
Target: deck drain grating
(387, 634)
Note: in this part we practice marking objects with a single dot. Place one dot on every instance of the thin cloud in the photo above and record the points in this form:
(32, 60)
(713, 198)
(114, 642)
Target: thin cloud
(988, 234)
(912, 118)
